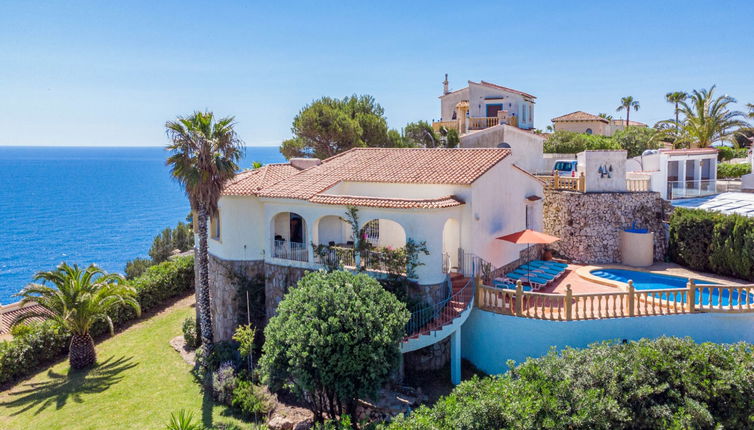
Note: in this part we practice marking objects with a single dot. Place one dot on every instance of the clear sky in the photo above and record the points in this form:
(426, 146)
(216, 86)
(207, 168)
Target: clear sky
(112, 73)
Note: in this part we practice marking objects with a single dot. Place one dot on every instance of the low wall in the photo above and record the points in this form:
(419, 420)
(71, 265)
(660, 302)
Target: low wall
(589, 224)
(223, 292)
(489, 339)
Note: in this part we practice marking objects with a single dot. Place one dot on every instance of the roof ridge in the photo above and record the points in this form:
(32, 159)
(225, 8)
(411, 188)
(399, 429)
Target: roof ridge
(405, 199)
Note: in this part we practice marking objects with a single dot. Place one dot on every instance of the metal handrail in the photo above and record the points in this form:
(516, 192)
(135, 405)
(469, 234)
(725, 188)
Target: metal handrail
(428, 314)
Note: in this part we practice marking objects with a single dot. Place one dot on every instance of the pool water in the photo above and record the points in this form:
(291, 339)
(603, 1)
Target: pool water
(656, 281)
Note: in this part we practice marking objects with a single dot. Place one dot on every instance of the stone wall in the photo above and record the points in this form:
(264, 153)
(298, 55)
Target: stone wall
(433, 293)
(277, 281)
(433, 357)
(589, 224)
(225, 303)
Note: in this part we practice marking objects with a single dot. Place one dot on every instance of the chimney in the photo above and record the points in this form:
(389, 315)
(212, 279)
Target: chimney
(305, 163)
(445, 85)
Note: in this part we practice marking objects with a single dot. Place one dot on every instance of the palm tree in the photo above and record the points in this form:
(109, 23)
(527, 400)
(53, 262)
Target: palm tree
(605, 116)
(708, 119)
(627, 103)
(750, 106)
(75, 301)
(204, 154)
(676, 97)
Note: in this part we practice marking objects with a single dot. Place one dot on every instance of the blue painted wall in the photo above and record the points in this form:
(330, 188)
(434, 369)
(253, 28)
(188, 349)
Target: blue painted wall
(489, 339)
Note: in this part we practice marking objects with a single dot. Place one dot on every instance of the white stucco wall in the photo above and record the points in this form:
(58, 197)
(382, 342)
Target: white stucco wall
(391, 190)
(448, 103)
(242, 229)
(590, 162)
(526, 147)
(498, 205)
(479, 96)
(597, 127)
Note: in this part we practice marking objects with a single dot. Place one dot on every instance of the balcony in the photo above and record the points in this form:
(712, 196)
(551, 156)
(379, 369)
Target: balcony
(474, 123)
(690, 189)
(290, 250)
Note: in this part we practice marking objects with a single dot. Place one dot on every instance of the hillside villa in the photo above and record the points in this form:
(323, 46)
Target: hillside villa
(583, 122)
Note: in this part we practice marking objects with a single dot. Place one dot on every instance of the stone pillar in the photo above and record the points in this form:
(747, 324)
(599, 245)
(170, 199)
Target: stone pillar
(455, 357)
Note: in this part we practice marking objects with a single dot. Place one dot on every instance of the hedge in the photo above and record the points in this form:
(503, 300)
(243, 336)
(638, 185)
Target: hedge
(713, 242)
(730, 170)
(44, 343)
(668, 383)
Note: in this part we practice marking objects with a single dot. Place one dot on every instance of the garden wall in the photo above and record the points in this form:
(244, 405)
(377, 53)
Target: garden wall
(589, 224)
(490, 339)
(224, 282)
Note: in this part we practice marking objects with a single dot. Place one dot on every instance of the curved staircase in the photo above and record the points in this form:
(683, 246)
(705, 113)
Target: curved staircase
(434, 323)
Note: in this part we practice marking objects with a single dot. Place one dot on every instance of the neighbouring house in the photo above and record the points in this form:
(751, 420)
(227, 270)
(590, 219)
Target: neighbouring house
(456, 201)
(584, 122)
(491, 116)
(677, 173)
(483, 104)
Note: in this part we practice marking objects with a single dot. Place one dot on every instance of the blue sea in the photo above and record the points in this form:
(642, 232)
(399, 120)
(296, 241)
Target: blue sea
(86, 205)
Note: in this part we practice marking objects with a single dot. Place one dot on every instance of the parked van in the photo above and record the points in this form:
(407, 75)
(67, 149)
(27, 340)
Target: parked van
(565, 168)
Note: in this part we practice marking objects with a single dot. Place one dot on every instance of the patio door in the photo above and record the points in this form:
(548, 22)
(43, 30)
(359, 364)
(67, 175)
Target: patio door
(493, 109)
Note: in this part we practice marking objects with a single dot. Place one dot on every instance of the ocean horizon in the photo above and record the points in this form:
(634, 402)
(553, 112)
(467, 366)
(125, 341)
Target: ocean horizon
(86, 204)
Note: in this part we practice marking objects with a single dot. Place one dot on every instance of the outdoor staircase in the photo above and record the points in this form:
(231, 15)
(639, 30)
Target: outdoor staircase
(444, 318)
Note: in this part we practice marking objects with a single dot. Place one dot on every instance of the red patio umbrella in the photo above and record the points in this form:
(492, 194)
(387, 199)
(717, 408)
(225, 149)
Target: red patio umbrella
(528, 237)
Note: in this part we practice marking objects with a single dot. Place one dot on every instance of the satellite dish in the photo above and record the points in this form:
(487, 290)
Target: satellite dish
(503, 145)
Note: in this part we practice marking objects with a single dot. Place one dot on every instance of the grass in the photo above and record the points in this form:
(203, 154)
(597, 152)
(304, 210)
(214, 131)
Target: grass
(138, 382)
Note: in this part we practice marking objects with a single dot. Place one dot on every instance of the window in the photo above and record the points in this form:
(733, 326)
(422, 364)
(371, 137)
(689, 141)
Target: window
(588, 131)
(531, 113)
(214, 227)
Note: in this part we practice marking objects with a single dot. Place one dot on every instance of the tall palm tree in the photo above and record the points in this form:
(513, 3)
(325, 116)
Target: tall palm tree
(204, 154)
(676, 97)
(708, 119)
(75, 301)
(627, 103)
(750, 106)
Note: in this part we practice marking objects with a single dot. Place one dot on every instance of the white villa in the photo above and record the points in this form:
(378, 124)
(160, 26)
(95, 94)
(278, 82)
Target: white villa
(457, 201)
(677, 173)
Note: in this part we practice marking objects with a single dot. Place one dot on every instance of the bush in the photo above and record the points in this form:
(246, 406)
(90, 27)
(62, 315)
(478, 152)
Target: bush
(334, 339)
(137, 267)
(729, 170)
(251, 400)
(44, 343)
(649, 384)
(568, 142)
(180, 238)
(191, 333)
(726, 153)
(713, 242)
(223, 383)
(636, 140)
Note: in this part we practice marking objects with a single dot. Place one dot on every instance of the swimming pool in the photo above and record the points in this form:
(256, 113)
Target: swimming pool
(657, 281)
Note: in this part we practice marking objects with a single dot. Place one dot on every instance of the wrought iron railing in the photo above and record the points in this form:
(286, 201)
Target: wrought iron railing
(433, 317)
(290, 250)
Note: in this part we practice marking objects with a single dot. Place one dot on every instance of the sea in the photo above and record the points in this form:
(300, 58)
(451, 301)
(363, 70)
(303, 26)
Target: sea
(84, 205)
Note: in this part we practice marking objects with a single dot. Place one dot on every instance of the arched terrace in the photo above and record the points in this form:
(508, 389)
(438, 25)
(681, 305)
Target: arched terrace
(289, 237)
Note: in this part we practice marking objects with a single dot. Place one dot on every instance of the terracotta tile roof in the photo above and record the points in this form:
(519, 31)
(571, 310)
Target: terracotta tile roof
(7, 318)
(694, 151)
(580, 116)
(389, 165)
(511, 90)
(249, 182)
(381, 202)
(623, 122)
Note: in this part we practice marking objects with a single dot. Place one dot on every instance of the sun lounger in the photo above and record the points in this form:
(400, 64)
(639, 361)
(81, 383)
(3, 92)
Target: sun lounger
(508, 286)
(550, 263)
(535, 274)
(550, 270)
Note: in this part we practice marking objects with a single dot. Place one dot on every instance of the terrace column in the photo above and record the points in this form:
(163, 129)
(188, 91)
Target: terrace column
(682, 177)
(455, 356)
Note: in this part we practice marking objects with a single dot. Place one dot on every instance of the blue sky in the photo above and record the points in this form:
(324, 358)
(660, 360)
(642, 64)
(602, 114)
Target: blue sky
(111, 73)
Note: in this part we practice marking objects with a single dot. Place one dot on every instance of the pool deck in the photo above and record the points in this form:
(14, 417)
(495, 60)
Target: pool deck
(582, 281)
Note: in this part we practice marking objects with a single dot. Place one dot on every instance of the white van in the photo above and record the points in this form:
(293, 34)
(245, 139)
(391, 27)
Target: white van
(565, 168)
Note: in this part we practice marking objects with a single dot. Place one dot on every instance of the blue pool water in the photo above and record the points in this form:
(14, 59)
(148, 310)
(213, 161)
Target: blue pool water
(85, 205)
(656, 281)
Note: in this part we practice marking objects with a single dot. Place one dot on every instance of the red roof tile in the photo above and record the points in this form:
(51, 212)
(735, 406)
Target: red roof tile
(580, 116)
(381, 202)
(511, 90)
(389, 165)
(247, 183)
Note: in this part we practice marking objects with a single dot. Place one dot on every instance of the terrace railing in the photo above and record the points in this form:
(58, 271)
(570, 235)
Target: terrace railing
(618, 304)
(564, 183)
(689, 189)
(433, 317)
(637, 184)
(290, 250)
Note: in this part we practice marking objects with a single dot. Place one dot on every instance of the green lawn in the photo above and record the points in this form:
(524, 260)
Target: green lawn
(139, 381)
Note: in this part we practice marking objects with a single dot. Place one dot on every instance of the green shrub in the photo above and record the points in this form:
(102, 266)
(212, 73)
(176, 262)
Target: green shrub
(183, 420)
(568, 142)
(726, 153)
(251, 400)
(190, 333)
(335, 338)
(729, 170)
(667, 383)
(163, 245)
(713, 242)
(44, 343)
(22, 329)
(224, 381)
(137, 267)
(636, 140)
